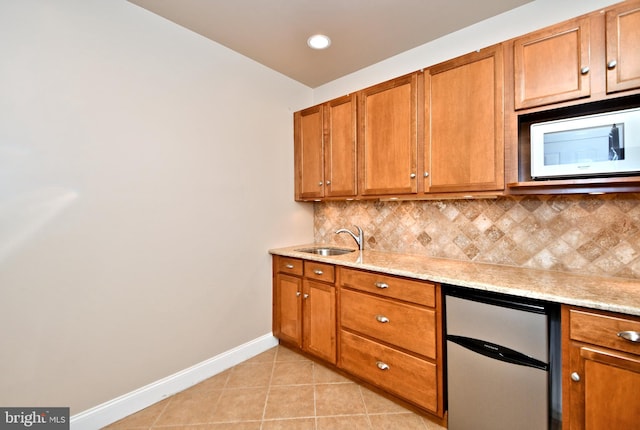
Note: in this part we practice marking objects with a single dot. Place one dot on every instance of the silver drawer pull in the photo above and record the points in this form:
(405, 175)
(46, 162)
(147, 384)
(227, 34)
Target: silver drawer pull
(298, 293)
(382, 319)
(631, 336)
(381, 285)
(382, 365)
(575, 377)
(289, 266)
(306, 296)
(318, 272)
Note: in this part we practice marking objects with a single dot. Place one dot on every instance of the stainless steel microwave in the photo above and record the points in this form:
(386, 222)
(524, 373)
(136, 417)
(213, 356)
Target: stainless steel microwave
(591, 145)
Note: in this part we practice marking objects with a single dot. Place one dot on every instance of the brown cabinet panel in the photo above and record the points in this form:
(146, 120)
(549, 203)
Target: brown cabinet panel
(288, 308)
(601, 378)
(319, 271)
(304, 310)
(319, 330)
(309, 144)
(623, 47)
(340, 149)
(399, 373)
(325, 150)
(603, 330)
(553, 65)
(292, 266)
(388, 137)
(409, 327)
(464, 124)
(419, 292)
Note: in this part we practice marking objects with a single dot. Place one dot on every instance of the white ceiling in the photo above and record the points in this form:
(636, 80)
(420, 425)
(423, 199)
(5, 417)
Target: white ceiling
(363, 32)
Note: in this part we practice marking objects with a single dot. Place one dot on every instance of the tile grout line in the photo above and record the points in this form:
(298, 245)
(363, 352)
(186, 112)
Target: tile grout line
(223, 389)
(170, 399)
(366, 410)
(315, 395)
(266, 399)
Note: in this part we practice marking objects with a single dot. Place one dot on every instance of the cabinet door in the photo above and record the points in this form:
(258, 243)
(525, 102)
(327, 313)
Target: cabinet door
(288, 308)
(604, 389)
(340, 148)
(623, 47)
(388, 137)
(308, 149)
(319, 330)
(552, 65)
(464, 124)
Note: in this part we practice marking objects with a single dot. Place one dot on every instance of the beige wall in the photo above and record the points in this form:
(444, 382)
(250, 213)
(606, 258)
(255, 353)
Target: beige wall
(144, 173)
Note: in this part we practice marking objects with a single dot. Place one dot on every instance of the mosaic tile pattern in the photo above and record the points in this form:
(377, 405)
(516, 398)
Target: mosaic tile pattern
(585, 234)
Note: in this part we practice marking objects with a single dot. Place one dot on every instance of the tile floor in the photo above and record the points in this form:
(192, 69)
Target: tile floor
(276, 390)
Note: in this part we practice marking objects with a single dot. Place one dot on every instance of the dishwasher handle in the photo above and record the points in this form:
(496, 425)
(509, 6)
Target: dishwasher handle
(497, 352)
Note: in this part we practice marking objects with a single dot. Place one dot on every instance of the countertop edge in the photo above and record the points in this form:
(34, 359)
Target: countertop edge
(620, 295)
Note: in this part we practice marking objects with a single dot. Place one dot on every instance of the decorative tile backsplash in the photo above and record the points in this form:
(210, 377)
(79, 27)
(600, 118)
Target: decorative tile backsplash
(586, 234)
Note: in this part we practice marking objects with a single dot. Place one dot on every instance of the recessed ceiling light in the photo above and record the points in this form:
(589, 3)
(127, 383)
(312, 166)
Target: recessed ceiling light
(319, 41)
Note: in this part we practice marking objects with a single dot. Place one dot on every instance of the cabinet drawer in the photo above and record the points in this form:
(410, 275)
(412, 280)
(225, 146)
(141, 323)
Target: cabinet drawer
(404, 325)
(600, 329)
(293, 266)
(399, 373)
(420, 292)
(319, 271)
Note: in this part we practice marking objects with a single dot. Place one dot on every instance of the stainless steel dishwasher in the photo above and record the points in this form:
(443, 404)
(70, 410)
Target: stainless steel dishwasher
(503, 363)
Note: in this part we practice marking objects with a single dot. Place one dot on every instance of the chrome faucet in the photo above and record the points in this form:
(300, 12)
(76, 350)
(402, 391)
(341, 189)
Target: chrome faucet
(359, 238)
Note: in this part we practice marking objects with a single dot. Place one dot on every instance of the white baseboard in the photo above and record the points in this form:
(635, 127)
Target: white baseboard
(125, 405)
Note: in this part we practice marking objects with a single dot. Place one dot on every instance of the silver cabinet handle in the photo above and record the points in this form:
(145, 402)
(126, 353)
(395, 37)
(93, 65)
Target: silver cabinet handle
(381, 285)
(318, 272)
(306, 296)
(575, 377)
(298, 293)
(426, 174)
(382, 365)
(631, 336)
(320, 183)
(584, 70)
(612, 64)
(382, 319)
(328, 182)
(289, 266)
(413, 175)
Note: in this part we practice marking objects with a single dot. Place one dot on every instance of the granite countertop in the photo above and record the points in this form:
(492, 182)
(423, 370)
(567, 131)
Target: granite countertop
(597, 292)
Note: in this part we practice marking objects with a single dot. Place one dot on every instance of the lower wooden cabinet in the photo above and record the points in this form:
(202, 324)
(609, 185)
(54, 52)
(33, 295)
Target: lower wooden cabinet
(601, 370)
(304, 306)
(319, 319)
(398, 372)
(384, 330)
(391, 335)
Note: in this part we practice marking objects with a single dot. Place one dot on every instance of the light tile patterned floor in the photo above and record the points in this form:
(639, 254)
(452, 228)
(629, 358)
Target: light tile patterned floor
(276, 390)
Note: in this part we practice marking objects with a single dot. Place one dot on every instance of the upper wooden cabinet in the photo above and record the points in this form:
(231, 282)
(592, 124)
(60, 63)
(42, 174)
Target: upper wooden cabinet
(325, 150)
(464, 133)
(387, 137)
(308, 153)
(553, 65)
(623, 47)
(591, 56)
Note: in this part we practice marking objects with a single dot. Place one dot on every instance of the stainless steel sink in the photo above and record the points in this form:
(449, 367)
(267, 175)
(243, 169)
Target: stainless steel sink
(326, 250)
